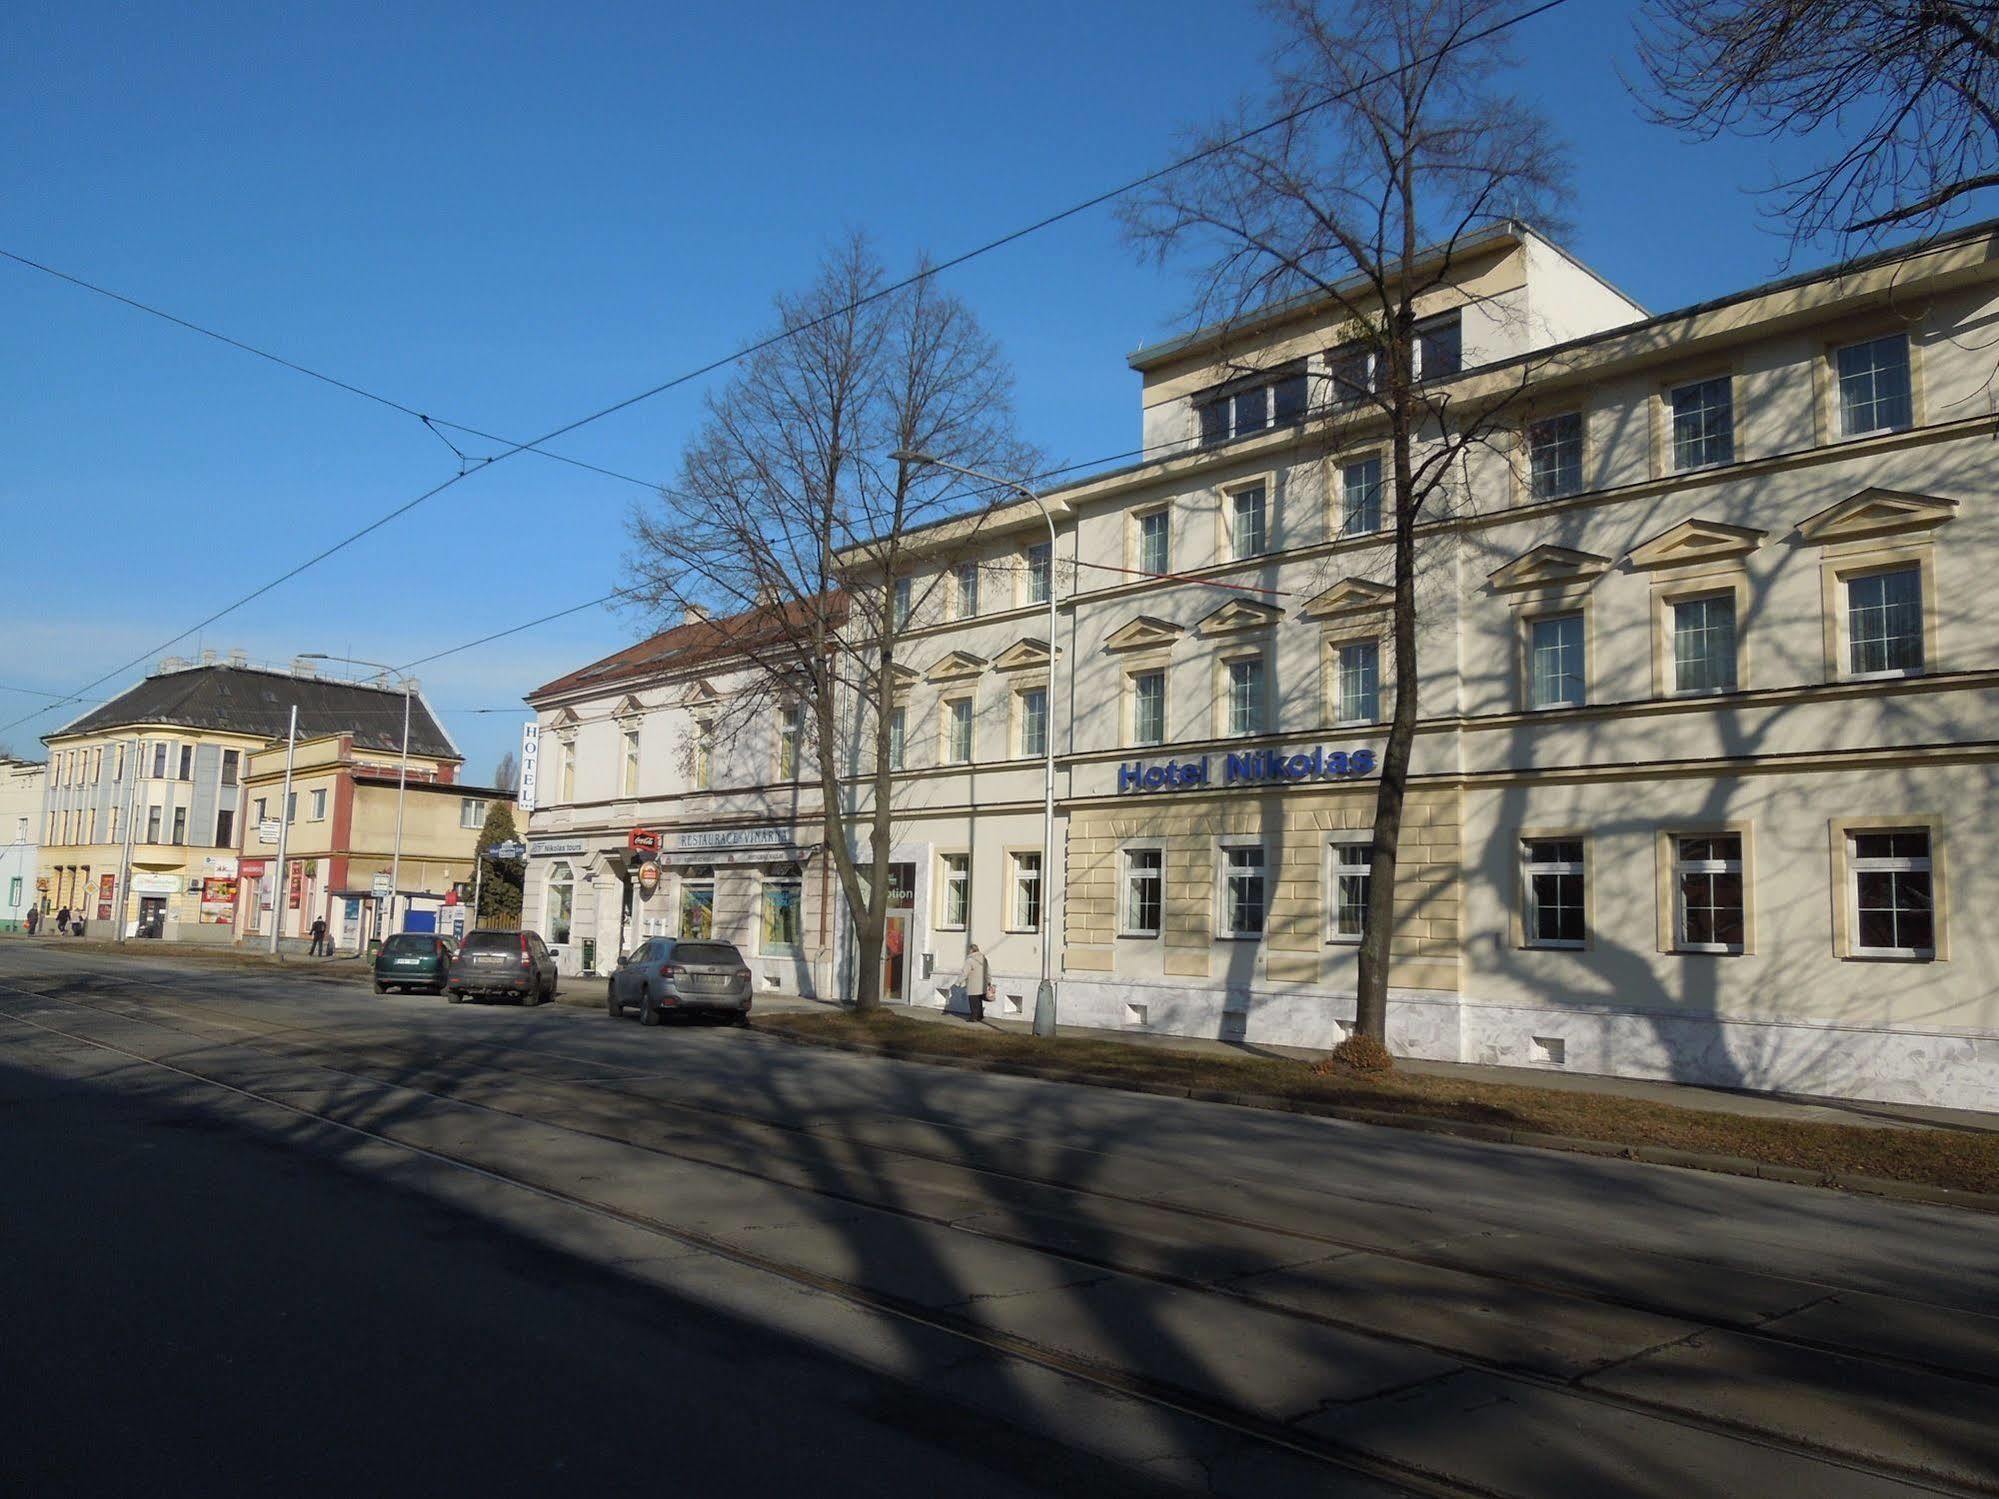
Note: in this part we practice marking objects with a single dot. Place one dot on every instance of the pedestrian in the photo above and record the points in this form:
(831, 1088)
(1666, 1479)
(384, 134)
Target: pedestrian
(319, 943)
(976, 977)
(34, 919)
(62, 922)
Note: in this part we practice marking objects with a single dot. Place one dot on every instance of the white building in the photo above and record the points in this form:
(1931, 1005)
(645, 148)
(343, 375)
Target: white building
(1705, 760)
(21, 784)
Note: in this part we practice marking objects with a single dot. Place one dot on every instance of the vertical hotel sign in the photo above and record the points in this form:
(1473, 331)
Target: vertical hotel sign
(530, 763)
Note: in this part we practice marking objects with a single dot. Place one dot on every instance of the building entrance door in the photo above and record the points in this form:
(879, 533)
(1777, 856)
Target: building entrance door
(897, 932)
(152, 915)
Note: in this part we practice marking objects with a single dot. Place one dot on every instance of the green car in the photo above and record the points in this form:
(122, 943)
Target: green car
(413, 960)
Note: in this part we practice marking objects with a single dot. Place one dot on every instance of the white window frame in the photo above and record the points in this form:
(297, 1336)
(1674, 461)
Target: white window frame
(1683, 866)
(1672, 425)
(1024, 872)
(954, 868)
(1856, 866)
(903, 604)
(1260, 709)
(1021, 747)
(1369, 507)
(1341, 708)
(1132, 679)
(1037, 580)
(561, 876)
(1540, 438)
(702, 770)
(1128, 877)
(1339, 867)
(965, 589)
(471, 812)
(1234, 497)
(948, 712)
(1673, 606)
(318, 805)
(628, 740)
(790, 740)
(1845, 597)
(1530, 907)
(1164, 515)
(1225, 929)
(769, 879)
(898, 736)
(1908, 381)
(1529, 624)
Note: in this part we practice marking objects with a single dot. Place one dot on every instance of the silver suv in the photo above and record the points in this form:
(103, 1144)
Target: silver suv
(664, 974)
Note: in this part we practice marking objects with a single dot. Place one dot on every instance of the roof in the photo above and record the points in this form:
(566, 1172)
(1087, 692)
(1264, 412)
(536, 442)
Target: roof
(694, 643)
(246, 700)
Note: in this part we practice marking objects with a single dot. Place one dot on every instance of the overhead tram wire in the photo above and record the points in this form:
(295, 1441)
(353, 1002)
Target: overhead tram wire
(537, 444)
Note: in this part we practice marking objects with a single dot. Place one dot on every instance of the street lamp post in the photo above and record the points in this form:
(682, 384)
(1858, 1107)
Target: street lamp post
(402, 770)
(1044, 997)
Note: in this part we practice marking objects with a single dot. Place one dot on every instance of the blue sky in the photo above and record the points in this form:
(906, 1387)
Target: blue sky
(510, 215)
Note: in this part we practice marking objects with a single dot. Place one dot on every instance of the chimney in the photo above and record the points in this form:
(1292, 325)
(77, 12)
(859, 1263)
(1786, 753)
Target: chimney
(304, 668)
(697, 614)
(239, 658)
(172, 663)
(209, 658)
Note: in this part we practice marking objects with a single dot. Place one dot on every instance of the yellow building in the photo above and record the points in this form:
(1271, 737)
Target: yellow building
(153, 780)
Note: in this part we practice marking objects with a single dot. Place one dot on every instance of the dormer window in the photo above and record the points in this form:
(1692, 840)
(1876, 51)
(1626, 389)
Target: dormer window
(1243, 407)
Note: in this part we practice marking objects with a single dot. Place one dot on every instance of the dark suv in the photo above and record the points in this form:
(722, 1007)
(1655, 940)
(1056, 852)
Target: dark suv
(515, 963)
(666, 974)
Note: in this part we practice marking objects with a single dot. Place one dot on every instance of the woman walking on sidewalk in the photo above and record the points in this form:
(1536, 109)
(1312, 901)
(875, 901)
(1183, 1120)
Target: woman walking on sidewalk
(976, 976)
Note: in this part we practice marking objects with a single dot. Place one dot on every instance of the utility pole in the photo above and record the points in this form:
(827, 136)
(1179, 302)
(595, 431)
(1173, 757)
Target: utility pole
(125, 860)
(284, 834)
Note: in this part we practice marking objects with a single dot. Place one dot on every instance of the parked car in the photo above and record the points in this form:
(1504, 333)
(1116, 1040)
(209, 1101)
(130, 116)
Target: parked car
(513, 963)
(664, 974)
(413, 960)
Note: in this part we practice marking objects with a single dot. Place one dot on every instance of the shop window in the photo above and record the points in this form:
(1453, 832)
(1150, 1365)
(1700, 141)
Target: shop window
(1553, 888)
(1892, 897)
(1243, 891)
(559, 902)
(1026, 906)
(1144, 885)
(697, 901)
(957, 891)
(1708, 893)
(782, 930)
(1347, 909)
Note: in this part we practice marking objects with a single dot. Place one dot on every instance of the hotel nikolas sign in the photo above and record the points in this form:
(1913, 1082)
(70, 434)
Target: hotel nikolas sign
(1261, 768)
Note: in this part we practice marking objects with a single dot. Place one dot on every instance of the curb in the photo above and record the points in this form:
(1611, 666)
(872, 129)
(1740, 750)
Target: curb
(1492, 1134)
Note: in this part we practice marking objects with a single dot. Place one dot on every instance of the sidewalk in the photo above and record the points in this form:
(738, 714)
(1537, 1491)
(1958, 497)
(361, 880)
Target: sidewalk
(1818, 1110)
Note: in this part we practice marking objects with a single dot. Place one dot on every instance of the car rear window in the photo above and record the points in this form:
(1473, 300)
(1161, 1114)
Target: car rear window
(493, 942)
(706, 952)
(408, 942)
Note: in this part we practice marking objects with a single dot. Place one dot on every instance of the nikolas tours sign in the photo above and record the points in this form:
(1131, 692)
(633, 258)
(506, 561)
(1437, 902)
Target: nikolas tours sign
(1252, 768)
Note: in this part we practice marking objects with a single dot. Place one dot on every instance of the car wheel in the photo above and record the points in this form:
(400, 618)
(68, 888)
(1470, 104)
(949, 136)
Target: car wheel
(648, 1011)
(611, 1002)
(380, 987)
(530, 998)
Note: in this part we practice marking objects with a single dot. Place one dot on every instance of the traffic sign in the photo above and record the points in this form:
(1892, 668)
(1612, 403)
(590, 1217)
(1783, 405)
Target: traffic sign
(507, 851)
(380, 885)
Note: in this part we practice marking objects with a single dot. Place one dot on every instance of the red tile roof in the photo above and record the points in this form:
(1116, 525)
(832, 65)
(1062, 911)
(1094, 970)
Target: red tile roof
(694, 642)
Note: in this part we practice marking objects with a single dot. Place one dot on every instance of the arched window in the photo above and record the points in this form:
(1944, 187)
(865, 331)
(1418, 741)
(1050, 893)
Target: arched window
(697, 901)
(560, 901)
(783, 930)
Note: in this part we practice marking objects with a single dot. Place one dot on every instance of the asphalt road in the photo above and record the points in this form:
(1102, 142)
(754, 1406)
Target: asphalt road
(278, 1234)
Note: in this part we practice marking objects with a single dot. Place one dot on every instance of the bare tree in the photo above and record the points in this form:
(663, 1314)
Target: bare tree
(789, 524)
(507, 774)
(1396, 146)
(1910, 87)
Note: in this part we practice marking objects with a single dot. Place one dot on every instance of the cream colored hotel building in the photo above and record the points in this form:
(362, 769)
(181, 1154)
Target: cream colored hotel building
(1704, 782)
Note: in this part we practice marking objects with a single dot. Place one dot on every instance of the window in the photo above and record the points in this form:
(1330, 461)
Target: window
(1357, 682)
(471, 812)
(1155, 541)
(263, 809)
(1242, 892)
(567, 780)
(958, 731)
(90, 826)
(1248, 531)
(1026, 893)
(1348, 907)
(1555, 661)
(704, 758)
(225, 828)
(790, 726)
(1245, 695)
(1894, 913)
(118, 763)
(1874, 386)
(180, 824)
(1360, 497)
(898, 736)
(1032, 715)
(1144, 882)
(1704, 644)
(1554, 891)
(14, 892)
(957, 891)
(97, 765)
(1703, 424)
(1707, 884)
(319, 804)
(904, 604)
(1439, 347)
(231, 759)
(1884, 622)
(782, 930)
(186, 762)
(160, 761)
(1555, 456)
(629, 782)
(559, 901)
(967, 576)
(1148, 707)
(112, 835)
(1352, 369)
(697, 902)
(1039, 562)
(291, 807)
(1244, 409)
